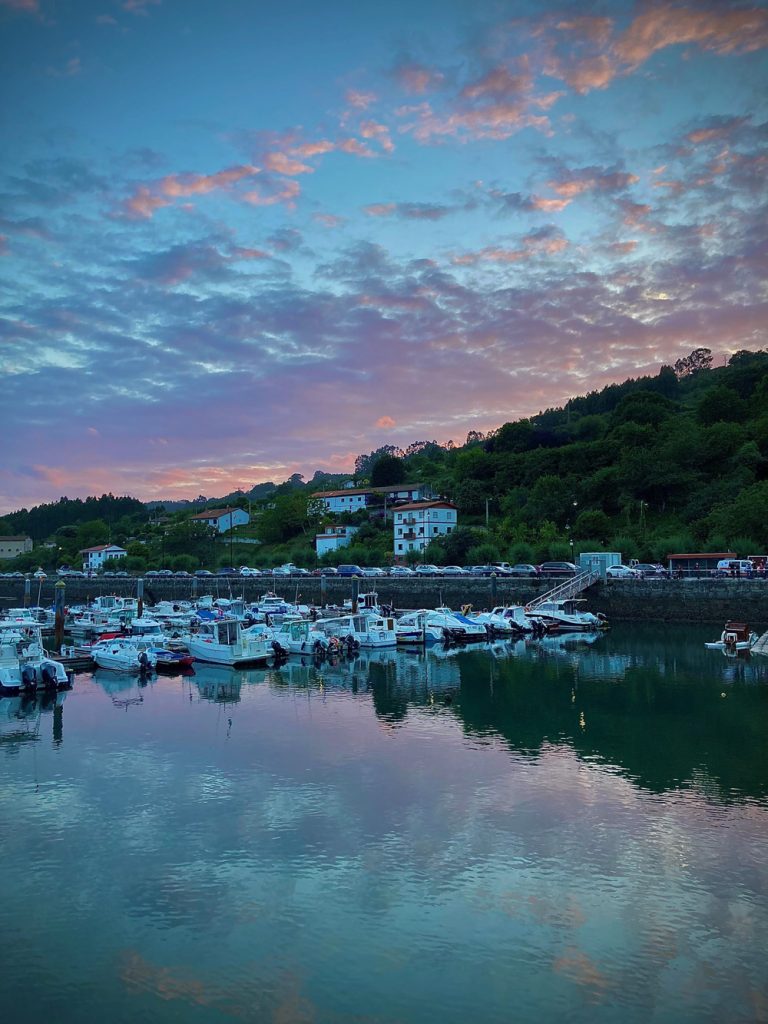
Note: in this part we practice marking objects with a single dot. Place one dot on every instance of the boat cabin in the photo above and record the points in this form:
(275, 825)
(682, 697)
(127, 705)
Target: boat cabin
(735, 632)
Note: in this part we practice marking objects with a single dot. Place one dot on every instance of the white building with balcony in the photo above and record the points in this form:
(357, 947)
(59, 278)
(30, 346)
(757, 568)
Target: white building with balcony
(420, 522)
(222, 519)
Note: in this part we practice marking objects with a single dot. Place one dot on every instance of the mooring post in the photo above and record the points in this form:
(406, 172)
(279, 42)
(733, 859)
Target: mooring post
(323, 591)
(355, 593)
(59, 590)
(27, 591)
(140, 595)
(58, 724)
(494, 581)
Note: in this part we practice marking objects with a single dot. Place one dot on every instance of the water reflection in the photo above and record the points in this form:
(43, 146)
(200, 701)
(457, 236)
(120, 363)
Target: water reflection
(23, 719)
(570, 830)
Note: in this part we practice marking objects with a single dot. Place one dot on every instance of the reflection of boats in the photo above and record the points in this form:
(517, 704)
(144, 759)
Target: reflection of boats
(566, 641)
(24, 663)
(736, 636)
(20, 716)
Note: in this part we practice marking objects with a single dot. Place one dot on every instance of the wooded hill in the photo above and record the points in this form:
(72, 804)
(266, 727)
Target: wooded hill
(672, 462)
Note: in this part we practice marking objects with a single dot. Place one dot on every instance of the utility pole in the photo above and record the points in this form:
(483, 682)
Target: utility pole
(486, 511)
(231, 528)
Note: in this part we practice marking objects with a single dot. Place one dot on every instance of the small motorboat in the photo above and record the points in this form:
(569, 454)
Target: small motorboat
(124, 654)
(736, 636)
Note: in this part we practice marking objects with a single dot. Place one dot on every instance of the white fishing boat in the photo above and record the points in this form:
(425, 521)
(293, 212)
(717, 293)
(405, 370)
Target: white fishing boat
(24, 662)
(433, 626)
(736, 636)
(506, 619)
(366, 630)
(299, 636)
(565, 615)
(124, 654)
(224, 642)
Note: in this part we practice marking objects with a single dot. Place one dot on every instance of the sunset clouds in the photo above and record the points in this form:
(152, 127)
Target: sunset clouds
(311, 248)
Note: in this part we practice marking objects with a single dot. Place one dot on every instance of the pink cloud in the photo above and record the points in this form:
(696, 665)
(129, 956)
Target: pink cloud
(499, 82)
(360, 100)
(282, 164)
(287, 193)
(624, 247)
(380, 209)
(308, 149)
(417, 78)
(379, 132)
(658, 27)
(200, 184)
(578, 182)
(494, 121)
(148, 198)
(241, 253)
(549, 205)
(328, 220)
(385, 422)
(355, 147)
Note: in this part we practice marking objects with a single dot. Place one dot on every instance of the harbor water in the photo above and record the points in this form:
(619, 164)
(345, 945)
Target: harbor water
(524, 832)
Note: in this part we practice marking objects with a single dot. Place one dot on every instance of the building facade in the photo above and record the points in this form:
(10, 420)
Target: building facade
(12, 546)
(416, 524)
(333, 538)
(94, 558)
(222, 519)
(352, 499)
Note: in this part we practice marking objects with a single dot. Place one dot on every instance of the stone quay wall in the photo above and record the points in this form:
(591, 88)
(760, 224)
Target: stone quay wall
(689, 600)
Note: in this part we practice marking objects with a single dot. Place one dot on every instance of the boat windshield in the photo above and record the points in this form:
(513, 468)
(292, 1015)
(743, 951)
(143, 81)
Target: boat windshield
(227, 632)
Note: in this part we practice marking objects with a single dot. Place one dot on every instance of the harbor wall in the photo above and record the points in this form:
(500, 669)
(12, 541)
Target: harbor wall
(689, 600)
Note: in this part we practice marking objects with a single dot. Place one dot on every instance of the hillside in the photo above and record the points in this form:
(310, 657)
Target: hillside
(674, 461)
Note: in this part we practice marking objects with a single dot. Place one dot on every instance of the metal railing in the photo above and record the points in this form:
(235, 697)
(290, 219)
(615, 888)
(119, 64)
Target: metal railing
(567, 589)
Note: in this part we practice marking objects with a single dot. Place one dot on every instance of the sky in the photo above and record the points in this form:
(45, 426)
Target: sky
(240, 240)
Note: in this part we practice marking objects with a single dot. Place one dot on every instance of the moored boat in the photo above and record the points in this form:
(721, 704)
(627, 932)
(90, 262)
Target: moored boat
(24, 662)
(736, 636)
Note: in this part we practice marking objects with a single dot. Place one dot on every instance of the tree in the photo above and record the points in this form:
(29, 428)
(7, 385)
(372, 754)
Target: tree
(699, 359)
(386, 470)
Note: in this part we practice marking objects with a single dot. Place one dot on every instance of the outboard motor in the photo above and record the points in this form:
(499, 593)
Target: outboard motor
(28, 678)
(279, 650)
(144, 662)
(351, 643)
(48, 676)
(319, 648)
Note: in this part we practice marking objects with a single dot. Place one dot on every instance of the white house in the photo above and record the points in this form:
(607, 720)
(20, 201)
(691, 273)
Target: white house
(94, 558)
(222, 519)
(420, 522)
(333, 538)
(350, 499)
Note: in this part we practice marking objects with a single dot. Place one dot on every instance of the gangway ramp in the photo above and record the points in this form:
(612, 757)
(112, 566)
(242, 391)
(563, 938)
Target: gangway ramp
(565, 590)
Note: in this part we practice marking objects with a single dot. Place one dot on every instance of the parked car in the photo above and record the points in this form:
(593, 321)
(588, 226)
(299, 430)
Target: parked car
(735, 567)
(622, 572)
(122, 573)
(300, 572)
(327, 570)
(557, 569)
(373, 570)
(523, 569)
(454, 570)
(401, 570)
(203, 573)
(349, 570)
(228, 570)
(152, 572)
(648, 570)
(428, 570)
(481, 570)
(281, 570)
(182, 574)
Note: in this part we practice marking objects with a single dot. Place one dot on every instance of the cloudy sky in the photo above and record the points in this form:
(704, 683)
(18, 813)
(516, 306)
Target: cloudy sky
(240, 240)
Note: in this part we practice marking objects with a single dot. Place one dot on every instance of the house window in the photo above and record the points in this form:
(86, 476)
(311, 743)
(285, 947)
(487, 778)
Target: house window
(434, 529)
(399, 547)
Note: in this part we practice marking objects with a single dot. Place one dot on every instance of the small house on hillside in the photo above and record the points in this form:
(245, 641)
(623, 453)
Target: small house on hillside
(94, 558)
(222, 519)
(333, 538)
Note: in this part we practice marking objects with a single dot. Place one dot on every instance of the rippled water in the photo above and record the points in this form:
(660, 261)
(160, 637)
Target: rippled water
(530, 833)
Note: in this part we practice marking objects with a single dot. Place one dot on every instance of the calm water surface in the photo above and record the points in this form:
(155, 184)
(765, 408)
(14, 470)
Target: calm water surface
(530, 833)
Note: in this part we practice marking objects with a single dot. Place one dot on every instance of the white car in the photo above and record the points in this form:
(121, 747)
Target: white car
(373, 570)
(619, 572)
